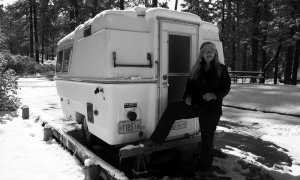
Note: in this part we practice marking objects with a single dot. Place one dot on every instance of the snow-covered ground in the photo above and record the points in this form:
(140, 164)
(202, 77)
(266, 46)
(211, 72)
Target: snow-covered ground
(282, 129)
(24, 154)
(268, 98)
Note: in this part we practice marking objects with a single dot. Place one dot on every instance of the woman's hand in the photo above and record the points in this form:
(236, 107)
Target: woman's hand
(188, 100)
(209, 96)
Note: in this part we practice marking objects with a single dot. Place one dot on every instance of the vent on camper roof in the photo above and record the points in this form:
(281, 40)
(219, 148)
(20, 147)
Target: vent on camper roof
(87, 31)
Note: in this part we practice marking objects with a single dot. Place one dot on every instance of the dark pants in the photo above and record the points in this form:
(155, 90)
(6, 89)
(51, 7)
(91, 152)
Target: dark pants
(208, 124)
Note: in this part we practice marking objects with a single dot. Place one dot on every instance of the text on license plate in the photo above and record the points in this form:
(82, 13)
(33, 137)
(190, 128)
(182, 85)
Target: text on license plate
(179, 125)
(129, 126)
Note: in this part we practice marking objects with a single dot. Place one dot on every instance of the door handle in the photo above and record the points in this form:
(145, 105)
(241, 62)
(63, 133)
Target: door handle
(165, 77)
(165, 84)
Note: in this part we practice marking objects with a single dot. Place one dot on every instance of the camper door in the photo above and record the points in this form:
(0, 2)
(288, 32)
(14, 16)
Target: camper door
(178, 52)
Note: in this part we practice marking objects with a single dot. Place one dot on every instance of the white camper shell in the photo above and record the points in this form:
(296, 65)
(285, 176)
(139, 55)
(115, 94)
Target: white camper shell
(118, 71)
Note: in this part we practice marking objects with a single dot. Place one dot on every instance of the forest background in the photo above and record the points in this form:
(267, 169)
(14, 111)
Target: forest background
(257, 35)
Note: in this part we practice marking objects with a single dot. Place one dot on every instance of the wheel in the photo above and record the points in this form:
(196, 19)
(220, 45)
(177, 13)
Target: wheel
(89, 137)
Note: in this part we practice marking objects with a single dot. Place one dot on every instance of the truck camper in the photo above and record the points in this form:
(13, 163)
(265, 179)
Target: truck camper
(116, 73)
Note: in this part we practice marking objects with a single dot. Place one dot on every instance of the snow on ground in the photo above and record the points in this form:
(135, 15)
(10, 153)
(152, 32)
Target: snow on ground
(287, 136)
(24, 154)
(282, 130)
(269, 98)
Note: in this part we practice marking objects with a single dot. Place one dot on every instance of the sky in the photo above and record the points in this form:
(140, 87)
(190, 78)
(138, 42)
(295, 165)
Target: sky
(5, 2)
(171, 4)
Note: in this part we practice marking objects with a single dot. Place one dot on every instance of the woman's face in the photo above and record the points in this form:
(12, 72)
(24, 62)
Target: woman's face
(209, 52)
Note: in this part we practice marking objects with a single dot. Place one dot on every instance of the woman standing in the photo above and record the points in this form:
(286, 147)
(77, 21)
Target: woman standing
(208, 84)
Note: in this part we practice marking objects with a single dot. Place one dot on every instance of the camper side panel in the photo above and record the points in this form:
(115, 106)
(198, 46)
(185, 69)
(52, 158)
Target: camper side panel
(89, 56)
(93, 55)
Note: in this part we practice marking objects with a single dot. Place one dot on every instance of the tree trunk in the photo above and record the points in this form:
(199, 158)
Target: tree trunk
(230, 21)
(223, 22)
(264, 57)
(238, 36)
(43, 40)
(31, 28)
(244, 66)
(95, 5)
(73, 12)
(122, 4)
(35, 32)
(263, 52)
(276, 63)
(233, 44)
(176, 3)
(255, 33)
(296, 62)
(233, 52)
(297, 45)
(44, 10)
(52, 48)
(274, 57)
(17, 44)
(289, 64)
(154, 3)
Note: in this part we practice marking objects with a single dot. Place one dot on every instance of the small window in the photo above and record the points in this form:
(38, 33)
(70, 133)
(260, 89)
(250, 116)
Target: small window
(179, 54)
(87, 31)
(67, 57)
(59, 61)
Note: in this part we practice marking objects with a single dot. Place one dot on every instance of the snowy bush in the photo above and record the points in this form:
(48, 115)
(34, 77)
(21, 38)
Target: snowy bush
(45, 68)
(22, 65)
(26, 66)
(8, 87)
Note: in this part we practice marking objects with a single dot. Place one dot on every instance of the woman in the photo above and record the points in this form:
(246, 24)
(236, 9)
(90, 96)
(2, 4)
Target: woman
(208, 84)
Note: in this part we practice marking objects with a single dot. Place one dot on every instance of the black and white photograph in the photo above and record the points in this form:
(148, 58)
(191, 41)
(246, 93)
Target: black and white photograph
(150, 89)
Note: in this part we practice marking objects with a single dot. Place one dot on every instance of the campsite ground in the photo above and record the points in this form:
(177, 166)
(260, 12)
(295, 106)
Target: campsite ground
(261, 125)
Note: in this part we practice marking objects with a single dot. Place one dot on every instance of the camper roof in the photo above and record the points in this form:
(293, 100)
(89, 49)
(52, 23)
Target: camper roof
(137, 19)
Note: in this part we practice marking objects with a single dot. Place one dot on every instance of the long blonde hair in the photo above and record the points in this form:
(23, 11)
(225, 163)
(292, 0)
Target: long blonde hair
(198, 65)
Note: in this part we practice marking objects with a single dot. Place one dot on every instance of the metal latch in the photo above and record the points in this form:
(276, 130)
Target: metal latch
(165, 84)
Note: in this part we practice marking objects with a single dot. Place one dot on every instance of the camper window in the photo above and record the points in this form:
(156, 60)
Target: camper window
(179, 53)
(67, 57)
(59, 61)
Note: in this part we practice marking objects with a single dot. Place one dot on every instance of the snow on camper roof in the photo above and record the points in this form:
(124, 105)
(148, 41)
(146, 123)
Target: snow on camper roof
(161, 12)
(137, 19)
(209, 31)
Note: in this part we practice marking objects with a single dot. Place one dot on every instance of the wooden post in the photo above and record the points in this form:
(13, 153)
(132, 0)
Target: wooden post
(25, 112)
(47, 132)
(91, 173)
(91, 170)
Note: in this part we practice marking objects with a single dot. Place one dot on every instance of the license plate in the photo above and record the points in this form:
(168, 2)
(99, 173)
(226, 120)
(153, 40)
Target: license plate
(179, 125)
(129, 126)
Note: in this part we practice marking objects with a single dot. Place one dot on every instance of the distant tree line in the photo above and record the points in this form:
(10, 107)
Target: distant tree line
(257, 35)
(33, 27)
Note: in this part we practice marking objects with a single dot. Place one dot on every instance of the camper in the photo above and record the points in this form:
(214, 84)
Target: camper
(116, 73)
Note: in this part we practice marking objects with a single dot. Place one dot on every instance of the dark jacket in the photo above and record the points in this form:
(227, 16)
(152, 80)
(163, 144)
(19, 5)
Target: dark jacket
(209, 82)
